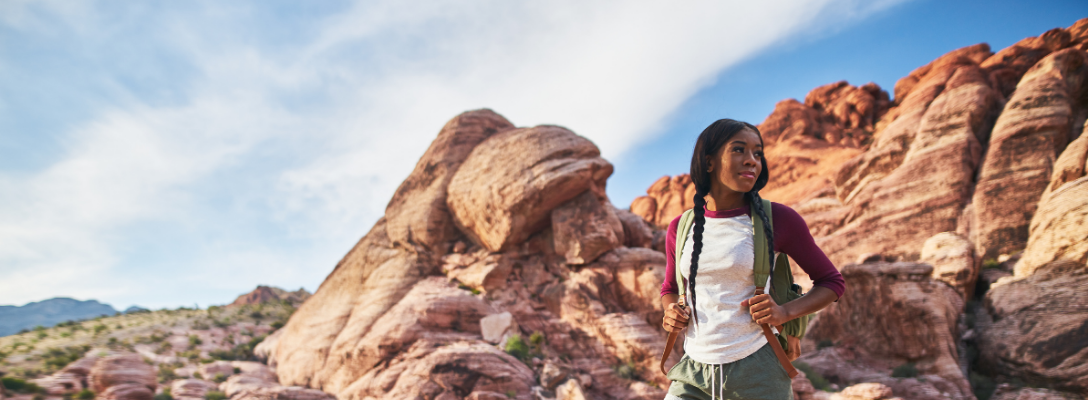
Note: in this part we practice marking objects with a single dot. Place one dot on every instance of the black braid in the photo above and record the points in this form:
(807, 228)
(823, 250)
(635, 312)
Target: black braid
(768, 231)
(697, 246)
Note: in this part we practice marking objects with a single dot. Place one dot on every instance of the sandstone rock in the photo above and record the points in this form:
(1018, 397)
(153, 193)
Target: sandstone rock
(896, 313)
(487, 273)
(191, 388)
(127, 391)
(214, 368)
(245, 383)
(636, 231)
(494, 327)
(284, 393)
(665, 199)
(917, 177)
(807, 142)
(1059, 229)
(430, 370)
(265, 350)
(1035, 126)
(1006, 391)
(570, 390)
(1035, 328)
(504, 190)
(551, 375)
(61, 383)
(122, 369)
(953, 259)
(864, 391)
(583, 228)
(1071, 164)
(417, 213)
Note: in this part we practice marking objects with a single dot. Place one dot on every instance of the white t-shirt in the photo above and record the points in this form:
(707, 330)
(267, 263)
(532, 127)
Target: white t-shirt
(722, 331)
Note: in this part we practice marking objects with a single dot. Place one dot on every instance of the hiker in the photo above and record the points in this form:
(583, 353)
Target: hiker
(729, 345)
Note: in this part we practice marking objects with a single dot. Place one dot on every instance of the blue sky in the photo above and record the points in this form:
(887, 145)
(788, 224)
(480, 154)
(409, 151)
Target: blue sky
(172, 153)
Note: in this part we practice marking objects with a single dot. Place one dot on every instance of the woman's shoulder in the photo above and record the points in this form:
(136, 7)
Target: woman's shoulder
(784, 215)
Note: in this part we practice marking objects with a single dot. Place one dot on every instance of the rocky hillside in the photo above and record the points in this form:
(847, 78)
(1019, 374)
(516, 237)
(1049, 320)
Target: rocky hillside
(183, 353)
(957, 213)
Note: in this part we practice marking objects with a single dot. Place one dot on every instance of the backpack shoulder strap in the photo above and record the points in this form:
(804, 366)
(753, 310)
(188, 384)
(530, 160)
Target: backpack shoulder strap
(686, 220)
(762, 264)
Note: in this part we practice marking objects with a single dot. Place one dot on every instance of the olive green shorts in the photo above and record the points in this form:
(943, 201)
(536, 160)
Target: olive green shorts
(758, 376)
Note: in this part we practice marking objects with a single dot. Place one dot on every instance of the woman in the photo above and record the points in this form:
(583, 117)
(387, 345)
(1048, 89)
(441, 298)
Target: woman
(726, 353)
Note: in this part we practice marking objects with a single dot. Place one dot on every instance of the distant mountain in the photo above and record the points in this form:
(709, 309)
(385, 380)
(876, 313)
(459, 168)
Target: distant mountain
(135, 309)
(48, 313)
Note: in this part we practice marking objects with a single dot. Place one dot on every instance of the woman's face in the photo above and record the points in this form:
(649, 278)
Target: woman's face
(738, 163)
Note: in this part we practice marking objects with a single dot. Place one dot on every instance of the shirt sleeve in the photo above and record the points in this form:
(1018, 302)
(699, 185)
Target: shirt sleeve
(669, 285)
(791, 236)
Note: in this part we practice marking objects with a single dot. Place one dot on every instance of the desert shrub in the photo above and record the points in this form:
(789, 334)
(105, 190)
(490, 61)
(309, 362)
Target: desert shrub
(165, 395)
(194, 340)
(990, 263)
(56, 358)
(200, 325)
(277, 325)
(85, 394)
(627, 370)
(19, 385)
(237, 370)
(824, 344)
(219, 378)
(166, 373)
(536, 338)
(198, 375)
(516, 347)
(818, 380)
(907, 370)
(215, 395)
(99, 328)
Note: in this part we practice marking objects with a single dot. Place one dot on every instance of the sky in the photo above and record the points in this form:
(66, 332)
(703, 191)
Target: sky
(167, 154)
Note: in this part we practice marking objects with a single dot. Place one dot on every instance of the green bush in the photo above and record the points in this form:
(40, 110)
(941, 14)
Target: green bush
(516, 347)
(627, 370)
(905, 371)
(194, 340)
(818, 380)
(198, 375)
(19, 385)
(165, 395)
(85, 394)
(100, 328)
(990, 263)
(215, 395)
(220, 378)
(824, 344)
(536, 338)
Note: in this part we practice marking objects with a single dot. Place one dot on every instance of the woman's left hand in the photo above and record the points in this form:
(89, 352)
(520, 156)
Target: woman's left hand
(765, 311)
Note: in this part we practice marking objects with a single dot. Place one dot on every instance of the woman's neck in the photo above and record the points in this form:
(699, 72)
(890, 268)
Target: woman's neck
(721, 200)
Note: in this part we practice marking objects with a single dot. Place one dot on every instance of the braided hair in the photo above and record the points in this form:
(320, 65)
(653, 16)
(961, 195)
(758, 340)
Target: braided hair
(706, 147)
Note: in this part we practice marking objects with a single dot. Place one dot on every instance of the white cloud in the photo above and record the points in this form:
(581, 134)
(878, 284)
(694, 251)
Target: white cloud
(280, 155)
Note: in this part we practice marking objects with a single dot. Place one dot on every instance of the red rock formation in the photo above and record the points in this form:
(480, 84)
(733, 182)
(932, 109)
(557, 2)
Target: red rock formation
(263, 294)
(123, 376)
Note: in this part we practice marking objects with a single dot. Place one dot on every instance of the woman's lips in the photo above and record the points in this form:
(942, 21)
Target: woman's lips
(751, 175)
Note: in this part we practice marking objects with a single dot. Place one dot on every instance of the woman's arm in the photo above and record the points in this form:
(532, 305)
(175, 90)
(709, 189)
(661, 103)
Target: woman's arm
(765, 311)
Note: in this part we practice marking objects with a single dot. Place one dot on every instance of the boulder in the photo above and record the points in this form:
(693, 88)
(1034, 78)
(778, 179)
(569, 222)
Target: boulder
(191, 388)
(128, 369)
(431, 370)
(417, 213)
(583, 228)
(483, 273)
(496, 326)
(953, 259)
(127, 391)
(636, 231)
(61, 383)
(1035, 328)
(1006, 391)
(265, 350)
(570, 390)
(665, 199)
(894, 313)
(1034, 128)
(552, 374)
(245, 383)
(864, 391)
(505, 189)
(283, 393)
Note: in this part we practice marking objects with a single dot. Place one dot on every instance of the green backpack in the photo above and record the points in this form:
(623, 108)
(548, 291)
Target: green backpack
(782, 288)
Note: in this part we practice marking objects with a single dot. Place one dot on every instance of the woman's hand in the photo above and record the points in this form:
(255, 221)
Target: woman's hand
(676, 318)
(765, 311)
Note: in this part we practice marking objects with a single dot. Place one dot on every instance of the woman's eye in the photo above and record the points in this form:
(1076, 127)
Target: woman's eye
(759, 154)
(738, 149)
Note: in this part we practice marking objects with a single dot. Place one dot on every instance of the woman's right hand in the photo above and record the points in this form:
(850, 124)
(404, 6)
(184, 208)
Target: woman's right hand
(676, 318)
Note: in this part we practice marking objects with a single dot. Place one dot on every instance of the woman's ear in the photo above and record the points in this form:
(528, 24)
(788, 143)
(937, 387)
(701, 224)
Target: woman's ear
(709, 166)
